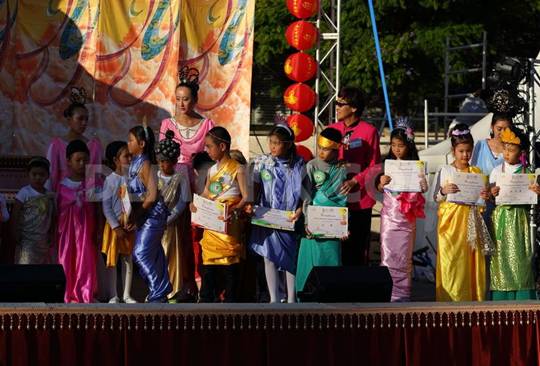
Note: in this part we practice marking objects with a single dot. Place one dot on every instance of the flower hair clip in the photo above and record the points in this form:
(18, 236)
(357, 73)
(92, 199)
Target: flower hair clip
(461, 132)
(410, 133)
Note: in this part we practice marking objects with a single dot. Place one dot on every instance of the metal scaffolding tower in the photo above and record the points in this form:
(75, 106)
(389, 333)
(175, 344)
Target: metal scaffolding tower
(327, 55)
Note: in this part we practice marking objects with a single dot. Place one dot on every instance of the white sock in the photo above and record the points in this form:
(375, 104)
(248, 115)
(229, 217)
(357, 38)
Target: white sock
(127, 274)
(272, 280)
(291, 291)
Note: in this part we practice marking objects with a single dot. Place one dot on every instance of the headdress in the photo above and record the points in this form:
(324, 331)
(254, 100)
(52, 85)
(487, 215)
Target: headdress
(189, 76)
(281, 122)
(77, 95)
(509, 137)
(326, 143)
(457, 132)
(407, 125)
(168, 148)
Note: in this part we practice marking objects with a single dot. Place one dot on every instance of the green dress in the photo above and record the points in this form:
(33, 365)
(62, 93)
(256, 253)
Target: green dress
(511, 266)
(324, 179)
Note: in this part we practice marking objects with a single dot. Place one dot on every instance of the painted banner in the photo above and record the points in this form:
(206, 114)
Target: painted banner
(126, 54)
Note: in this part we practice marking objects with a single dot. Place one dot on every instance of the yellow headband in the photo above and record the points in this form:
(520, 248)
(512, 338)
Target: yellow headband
(327, 143)
(509, 137)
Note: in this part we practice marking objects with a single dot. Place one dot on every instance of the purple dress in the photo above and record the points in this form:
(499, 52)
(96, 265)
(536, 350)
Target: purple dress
(398, 229)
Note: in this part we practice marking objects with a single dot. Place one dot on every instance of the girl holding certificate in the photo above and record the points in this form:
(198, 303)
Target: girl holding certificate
(325, 175)
(398, 215)
(226, 183)
(117, 239)
(278, 178)
(512, 276)
(463, 238)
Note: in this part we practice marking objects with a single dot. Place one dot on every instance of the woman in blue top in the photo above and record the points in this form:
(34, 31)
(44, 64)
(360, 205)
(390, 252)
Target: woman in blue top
(487, 153)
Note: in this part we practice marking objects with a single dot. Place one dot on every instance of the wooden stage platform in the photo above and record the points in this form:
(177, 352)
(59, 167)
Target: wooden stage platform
(489, 333)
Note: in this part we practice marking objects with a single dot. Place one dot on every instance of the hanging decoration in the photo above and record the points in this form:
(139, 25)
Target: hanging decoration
(302, 35)
(304, 152)
(299, 97)
(301, 125)
(303, 8)
(300, 67)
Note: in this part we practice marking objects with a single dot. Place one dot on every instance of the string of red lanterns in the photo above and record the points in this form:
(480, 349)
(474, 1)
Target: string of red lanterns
(301, 67)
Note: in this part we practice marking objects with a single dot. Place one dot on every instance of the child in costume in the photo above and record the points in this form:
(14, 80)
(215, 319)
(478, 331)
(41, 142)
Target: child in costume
(175, 190)
(398, 215)
(77, 214)
(33, 216)
(511, 266)
(463, 238)
(221, 253)
(278, 184)
(149, 214)
(325, 176)
(117, 239)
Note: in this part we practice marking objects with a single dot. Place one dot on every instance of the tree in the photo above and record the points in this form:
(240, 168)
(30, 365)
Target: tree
(412, 36)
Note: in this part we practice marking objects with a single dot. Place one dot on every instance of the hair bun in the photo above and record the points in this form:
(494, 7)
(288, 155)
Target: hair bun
(189, 76)
(169, 135)
(78, 95)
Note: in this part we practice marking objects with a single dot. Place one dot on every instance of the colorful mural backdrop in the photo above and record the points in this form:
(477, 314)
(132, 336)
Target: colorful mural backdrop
(126, 54)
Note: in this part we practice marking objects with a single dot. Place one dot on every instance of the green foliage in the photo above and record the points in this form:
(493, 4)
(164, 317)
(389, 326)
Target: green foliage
(412, 36)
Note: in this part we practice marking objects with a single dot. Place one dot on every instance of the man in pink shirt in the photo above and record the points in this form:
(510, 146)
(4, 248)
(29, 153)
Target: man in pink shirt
(361, 150)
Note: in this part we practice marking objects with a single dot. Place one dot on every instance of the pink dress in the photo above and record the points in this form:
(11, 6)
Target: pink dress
(398, 230)
(76, 247)
(188, 146)
(57, 157)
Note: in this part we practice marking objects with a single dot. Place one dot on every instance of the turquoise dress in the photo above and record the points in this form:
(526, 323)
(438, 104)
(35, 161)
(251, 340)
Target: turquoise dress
(325, 181)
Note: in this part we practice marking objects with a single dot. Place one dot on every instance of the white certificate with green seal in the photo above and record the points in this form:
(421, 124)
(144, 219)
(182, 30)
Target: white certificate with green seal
(328, 222)
(406, 175)
(514, 189)
(272, 218)
(209, 214)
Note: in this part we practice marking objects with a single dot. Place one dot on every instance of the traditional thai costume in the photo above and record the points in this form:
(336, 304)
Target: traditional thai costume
(76, 240)
(176, 193)
(324, 181)
(148, 252)
(398, 233)
(281, 188)
(463, 240)
(36, 218)
(56, 154)
(114, 190)
(221, 252)
(512, 276)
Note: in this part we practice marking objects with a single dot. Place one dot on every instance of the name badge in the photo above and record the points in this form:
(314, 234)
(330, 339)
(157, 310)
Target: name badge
(356, 143)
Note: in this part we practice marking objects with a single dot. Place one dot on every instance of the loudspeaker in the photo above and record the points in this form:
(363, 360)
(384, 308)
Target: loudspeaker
(32, 283)
(347, 284)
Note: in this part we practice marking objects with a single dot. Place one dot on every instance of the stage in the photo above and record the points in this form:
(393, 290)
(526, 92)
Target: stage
(489, 333)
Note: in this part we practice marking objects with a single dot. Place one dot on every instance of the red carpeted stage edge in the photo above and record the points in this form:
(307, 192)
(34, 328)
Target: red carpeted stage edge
(263, 334)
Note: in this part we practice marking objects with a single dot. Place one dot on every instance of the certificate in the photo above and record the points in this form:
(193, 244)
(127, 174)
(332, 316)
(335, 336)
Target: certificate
(328, 222)
(208, 214)
(514, 189)
(470, 185)
(272, 218)
(406, 175)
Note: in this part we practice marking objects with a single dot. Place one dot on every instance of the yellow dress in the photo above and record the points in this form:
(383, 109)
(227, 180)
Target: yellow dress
(218, 248)
(461, 270)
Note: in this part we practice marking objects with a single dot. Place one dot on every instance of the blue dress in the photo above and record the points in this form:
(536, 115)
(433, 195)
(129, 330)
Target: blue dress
(147, 251)
(483, 158)
(281, 188)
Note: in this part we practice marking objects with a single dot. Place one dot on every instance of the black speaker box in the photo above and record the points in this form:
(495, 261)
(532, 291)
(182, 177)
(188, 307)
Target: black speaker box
(347, 284)
(32, 283)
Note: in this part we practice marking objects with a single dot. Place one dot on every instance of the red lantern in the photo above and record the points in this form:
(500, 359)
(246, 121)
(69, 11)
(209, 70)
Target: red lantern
(304, 152)
(301, 126)
(300, 67)
(303, 8)
(299, 97)
(301, 35)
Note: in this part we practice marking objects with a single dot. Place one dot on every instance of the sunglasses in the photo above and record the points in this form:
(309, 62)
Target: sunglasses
(341, 104)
